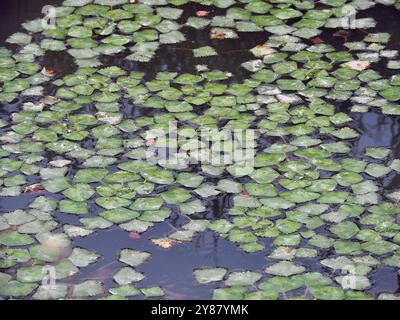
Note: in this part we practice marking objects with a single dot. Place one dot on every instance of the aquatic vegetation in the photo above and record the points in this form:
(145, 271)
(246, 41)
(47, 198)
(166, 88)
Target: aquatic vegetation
(107, 146)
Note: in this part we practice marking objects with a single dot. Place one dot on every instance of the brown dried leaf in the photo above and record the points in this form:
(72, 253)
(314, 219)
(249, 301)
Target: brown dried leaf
(317, 40)
(288, 250)
(50, 72)
(37, 187)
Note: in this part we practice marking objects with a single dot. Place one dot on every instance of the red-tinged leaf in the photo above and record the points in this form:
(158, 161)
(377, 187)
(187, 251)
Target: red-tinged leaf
(317, 40)
(342, 34)
(202, 13)
(218, 35)
(245, 192)
(34, 188)
(134, 235)
(50, 72)
(358, 65)
(150, 142)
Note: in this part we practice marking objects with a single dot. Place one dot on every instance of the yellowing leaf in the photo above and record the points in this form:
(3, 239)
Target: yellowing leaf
(50, 100)
(262, 50)
(218, 35)
(165, 243)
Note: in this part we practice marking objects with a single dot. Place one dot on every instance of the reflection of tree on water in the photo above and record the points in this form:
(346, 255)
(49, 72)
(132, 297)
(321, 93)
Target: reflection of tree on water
(179, 58)
(15, 12)
(380, 131)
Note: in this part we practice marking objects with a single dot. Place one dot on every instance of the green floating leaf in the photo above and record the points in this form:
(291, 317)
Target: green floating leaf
(172, 37)
(245, 278)
(299, 195)
(133, 258)
(119, 215)
(51, 292)
(79, 192)
(87, 288)
(74, 207)
(14, 238)
(170, 13)
(19, 38)
(284, 268)
(125, 291)
(353, 282)
(345, 133)
(198, 23)
(377, 153)
(76, 3)
(209, 275)
(327, 293)
(377, 170)
(232, 293)
(345, 230)
(153, 292)
(206, 51)
(81, 257)
(17, 289)
(90, 175)
(112, 202)
(127, 275)
(175, 196)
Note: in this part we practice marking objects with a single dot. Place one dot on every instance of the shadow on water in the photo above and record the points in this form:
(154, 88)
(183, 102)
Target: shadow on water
(179, 58)
(172, 269)
(60, 61)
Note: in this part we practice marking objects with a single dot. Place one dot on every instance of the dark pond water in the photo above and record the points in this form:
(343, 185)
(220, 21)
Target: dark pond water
(172, 269)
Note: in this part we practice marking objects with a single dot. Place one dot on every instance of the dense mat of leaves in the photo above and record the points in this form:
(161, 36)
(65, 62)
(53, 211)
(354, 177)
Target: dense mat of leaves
(80, 151)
